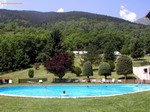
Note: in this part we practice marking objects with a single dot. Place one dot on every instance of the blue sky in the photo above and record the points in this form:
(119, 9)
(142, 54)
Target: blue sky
(126, 9)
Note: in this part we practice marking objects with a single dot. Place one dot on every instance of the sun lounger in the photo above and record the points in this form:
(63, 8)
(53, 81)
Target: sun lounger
(93, 80)
(10, 81)
(40, 81)
(113, 80)
(105, 81)
(83, 80)
(99, 81)
(76, 81)
(30, 82)
(119, 81)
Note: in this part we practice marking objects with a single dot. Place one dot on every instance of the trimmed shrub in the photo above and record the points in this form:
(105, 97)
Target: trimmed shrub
(112, 65)
(77, 71)
(104, 69)
(31, 73)
(87, 69)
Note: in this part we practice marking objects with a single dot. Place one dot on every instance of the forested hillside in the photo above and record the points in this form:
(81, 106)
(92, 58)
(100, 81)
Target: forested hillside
(45, 17)
(26, 36)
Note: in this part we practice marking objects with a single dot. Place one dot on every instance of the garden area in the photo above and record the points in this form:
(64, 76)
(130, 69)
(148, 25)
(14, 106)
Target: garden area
(41, 72)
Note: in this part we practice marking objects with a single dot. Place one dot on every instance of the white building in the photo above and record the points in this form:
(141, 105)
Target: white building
(117, 53)
(80, 52)
(142, 72)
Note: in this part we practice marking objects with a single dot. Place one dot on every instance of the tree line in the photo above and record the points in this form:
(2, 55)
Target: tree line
(23, 44)
(20, 51)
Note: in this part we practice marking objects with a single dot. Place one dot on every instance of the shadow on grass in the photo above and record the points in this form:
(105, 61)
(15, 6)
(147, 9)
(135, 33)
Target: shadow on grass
(128, 77)
(139, 59)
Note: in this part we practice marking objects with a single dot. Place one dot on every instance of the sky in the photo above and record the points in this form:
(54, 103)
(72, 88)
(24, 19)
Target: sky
(130, 10)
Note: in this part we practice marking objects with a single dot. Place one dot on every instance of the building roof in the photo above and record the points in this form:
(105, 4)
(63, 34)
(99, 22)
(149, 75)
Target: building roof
(148, 15)
(145, 20)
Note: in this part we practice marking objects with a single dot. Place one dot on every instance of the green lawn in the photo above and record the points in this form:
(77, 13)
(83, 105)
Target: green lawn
(136, 63)
(42, 73)
(137, 102)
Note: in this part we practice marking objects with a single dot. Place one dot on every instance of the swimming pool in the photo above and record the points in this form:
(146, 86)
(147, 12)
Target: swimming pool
(72, 91)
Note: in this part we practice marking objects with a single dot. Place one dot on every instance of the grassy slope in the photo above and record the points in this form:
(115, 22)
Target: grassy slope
(137, 62)
(42, 73)
(138, 102)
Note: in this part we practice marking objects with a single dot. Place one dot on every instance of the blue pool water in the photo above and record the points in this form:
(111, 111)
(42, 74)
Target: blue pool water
(73, 91)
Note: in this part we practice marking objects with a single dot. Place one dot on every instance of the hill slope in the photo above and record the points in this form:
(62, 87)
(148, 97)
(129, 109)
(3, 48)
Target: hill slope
(145, 20)
(44, 17)
(26, 36)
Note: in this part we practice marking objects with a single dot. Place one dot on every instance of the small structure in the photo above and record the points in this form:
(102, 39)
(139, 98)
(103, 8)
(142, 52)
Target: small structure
(40, 81)
(142, 72)
(10, 81)
(117, 53)
(79, 53)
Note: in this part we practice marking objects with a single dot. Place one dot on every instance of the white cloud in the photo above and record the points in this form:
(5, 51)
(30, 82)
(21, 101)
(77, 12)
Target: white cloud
(60, 10)
(2, 5)
(126, 14)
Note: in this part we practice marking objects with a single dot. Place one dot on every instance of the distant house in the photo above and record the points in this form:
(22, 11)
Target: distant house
(117, 53)
(80, 52)
(142, 72)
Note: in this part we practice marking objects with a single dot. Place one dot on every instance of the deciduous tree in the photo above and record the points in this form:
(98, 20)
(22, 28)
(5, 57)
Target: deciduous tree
(87, 69)
(59, 64)
(124, 66)
(104, 69)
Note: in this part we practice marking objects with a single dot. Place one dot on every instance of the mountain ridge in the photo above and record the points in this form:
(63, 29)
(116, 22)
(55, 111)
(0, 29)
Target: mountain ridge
(145, 20)
(37, 17)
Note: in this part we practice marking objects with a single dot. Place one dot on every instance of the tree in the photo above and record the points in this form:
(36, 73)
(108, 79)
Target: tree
(36, 66)
(137, 48)
(104, 69)
(57, 42)
(12, 56)
(21, 59)
(53, 45)
(147, 44)
(31, 73)
(124, 66)
(28, 45)
(41, 57)
(87, 69)
(92, 54)
(59, 64)
(125, 49)
(112, 65)
(109, 52)
(77, 70)
(138, 53)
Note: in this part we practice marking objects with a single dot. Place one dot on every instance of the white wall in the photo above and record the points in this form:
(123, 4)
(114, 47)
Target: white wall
(139, 72)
